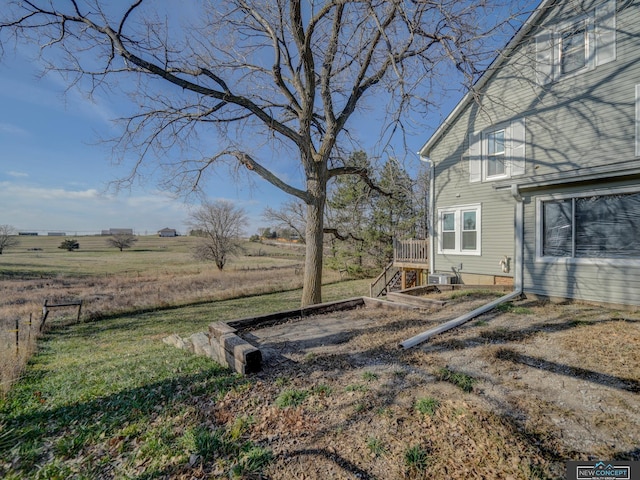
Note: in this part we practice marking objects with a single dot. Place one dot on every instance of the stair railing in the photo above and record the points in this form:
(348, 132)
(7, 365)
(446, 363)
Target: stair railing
(380, 284)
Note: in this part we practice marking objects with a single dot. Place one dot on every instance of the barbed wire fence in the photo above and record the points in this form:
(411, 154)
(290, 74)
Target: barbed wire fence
(18, 337)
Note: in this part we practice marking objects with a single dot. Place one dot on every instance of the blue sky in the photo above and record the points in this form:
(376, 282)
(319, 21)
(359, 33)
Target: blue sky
(54, 170)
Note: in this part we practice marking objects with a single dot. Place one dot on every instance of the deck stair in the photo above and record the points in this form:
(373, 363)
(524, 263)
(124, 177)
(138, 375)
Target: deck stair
(385, 282)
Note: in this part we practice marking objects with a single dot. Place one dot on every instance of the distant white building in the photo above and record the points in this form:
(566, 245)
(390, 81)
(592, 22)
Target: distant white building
(167, 232)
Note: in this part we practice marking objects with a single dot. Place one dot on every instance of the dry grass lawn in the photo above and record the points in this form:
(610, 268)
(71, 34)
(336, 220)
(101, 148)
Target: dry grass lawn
(513, 394)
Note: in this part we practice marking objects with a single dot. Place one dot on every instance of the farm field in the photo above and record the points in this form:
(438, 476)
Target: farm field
(155, 273)
(510, 395)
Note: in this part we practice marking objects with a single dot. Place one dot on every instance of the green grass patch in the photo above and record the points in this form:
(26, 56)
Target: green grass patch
(509, 307)
(416, 459)
(291, 398)
(473, 293)
(427, 406)
(110, 392)
(322, 390)
(459, 379)
(376, 446)
(251, 462)
(356, 388)
(370, 376)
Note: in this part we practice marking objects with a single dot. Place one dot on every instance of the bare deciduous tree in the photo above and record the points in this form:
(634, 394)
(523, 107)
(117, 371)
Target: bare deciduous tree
(219, 225)
(8, 237)
(283, 74)
(291, 214)
(122, 240)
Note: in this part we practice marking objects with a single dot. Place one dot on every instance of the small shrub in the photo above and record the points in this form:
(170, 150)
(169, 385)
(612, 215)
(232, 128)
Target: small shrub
(70, 245)
(291, 398)
(427, 406)
(459, 379)
(416, 459)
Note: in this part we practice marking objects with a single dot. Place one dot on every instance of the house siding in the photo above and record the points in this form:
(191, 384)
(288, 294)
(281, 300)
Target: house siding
(577, 122)
(605, 281)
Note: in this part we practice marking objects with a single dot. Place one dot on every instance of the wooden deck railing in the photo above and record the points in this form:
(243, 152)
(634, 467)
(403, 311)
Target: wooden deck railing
(410, 251)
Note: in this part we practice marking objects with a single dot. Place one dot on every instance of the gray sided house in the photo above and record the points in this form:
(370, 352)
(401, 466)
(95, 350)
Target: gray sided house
(536, 174)
(167, 232)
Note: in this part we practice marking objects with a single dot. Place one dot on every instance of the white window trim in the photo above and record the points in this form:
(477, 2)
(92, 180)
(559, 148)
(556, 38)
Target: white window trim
(506, 157)
(612, 262)
(458, 210)
(589, 47)
(514, 151)
(600, 43)
(638, 120)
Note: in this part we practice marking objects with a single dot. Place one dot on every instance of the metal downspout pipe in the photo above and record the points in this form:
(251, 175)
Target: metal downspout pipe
(518, 281)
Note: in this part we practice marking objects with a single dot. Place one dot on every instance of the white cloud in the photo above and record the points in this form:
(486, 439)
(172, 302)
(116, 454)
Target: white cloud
(37, 208)
(13, 129)
(15, 174)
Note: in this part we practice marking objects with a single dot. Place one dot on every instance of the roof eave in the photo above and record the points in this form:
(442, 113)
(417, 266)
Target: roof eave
(527, 26)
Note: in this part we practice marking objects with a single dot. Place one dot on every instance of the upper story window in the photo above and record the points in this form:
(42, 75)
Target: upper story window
(577, 45)
(573, 48)
(495, 164)
(498, 152)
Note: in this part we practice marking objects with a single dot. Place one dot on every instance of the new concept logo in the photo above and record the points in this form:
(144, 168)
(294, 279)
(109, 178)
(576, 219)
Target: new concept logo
(603, 471)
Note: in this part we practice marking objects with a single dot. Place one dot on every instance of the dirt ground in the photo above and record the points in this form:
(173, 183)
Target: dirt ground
(512, 394)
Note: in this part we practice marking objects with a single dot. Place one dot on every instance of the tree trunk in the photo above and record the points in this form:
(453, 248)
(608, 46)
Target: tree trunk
(312, 286)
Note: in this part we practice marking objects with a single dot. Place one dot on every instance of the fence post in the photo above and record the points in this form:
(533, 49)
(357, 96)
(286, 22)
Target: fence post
(17, 336)
(45, 313)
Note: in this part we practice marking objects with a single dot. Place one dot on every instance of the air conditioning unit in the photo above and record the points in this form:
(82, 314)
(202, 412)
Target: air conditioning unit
(442, 279)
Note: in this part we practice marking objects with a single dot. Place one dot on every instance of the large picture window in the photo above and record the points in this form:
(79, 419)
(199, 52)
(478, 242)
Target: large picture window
(459, 229)
(594, 226)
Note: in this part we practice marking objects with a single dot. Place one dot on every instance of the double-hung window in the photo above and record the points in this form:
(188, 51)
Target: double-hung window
(498, 151)
(591, 227)
(495, 164)
(578, 45)
(459, 229)
(574, 45)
